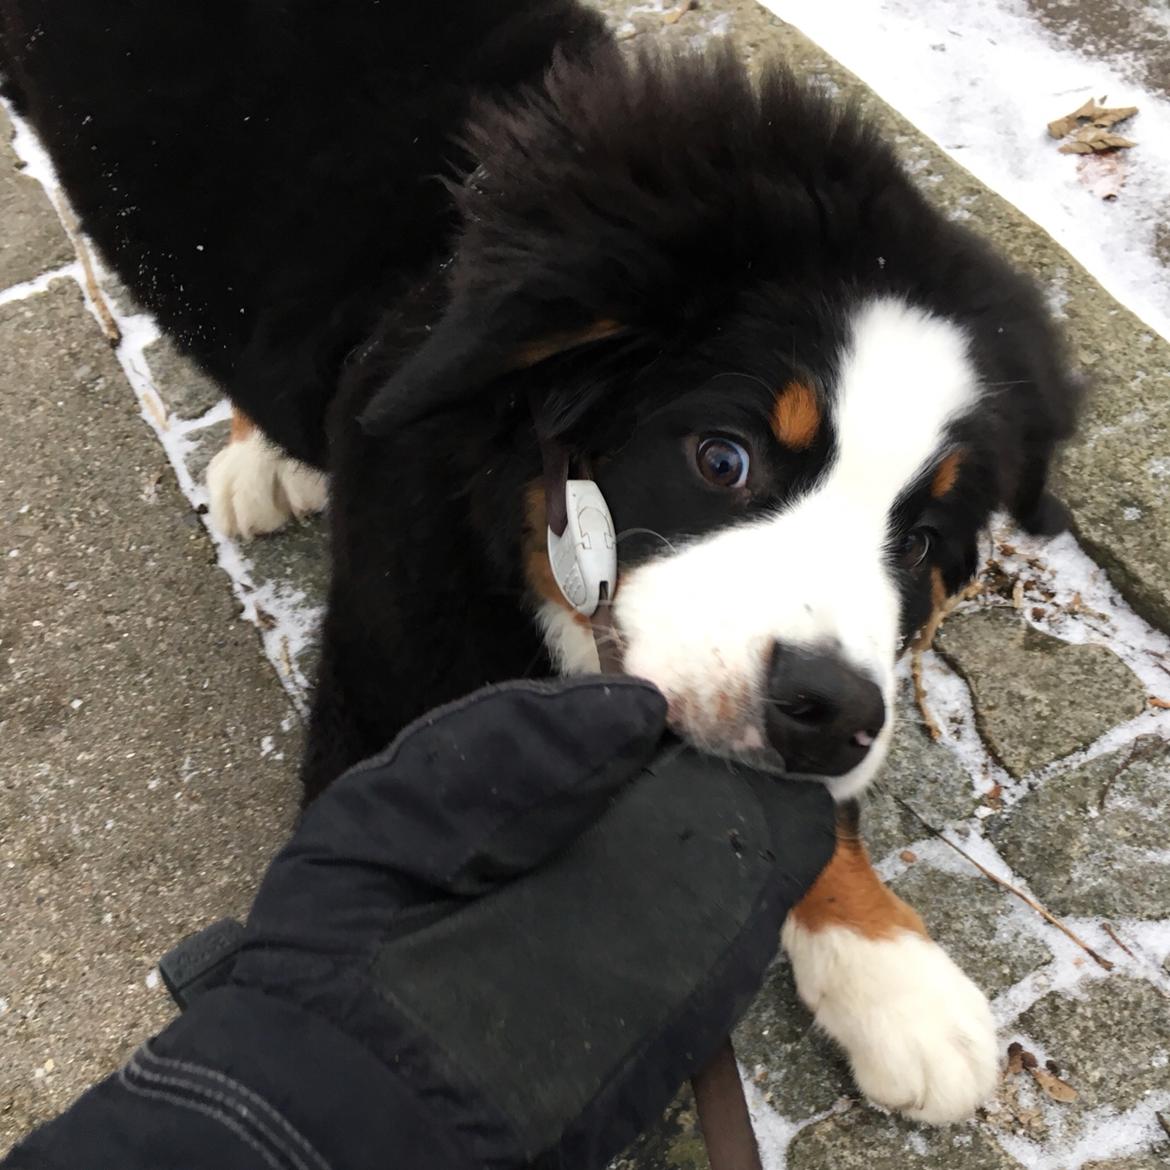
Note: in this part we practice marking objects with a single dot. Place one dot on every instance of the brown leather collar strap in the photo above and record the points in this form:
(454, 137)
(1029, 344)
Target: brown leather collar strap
(555, 471)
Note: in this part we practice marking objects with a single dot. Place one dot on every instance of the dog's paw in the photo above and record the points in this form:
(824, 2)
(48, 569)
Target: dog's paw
(255, 489)
(918, 1033)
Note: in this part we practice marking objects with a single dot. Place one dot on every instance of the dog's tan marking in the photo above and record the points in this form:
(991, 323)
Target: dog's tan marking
(242, 425)
(543, 348)
(946, 475)
(537, 571)
(796, 416)
(849, 893)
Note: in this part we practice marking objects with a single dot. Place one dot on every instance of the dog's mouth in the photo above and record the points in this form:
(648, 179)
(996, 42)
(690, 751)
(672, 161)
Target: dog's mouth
(806, 717)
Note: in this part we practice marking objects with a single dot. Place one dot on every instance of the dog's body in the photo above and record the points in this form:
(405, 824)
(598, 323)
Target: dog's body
(801, 391)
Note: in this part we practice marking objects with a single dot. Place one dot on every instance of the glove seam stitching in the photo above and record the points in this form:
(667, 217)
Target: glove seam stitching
(242, 1090)
(276, 1153)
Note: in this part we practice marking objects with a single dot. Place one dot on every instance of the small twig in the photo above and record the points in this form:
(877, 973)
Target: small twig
(1100, 960)
(923, 642)
(105, 317)
(1108, 929)
(286, 658)
(928, 720)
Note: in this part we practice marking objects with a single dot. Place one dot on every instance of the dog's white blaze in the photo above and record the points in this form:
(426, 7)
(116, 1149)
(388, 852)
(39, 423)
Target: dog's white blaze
(701, 622)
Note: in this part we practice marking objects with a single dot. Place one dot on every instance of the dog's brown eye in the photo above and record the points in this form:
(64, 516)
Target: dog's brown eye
(723, 462)
(915, 548)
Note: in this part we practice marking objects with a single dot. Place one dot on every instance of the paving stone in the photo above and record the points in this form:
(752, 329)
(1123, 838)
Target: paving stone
(1092, 841)
(920, 773)
(674, 1143)
(149, 756)
(33, 240)
(1111, 1044)
(183, 387)
(1036, 698)
(863, 1139)
(1116, 476)
(1155, 1159)
(968, 916)
(296, 558)
(205, 442)
(800, 1071)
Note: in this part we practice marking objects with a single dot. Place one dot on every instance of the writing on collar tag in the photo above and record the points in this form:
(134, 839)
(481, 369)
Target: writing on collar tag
(584, 556)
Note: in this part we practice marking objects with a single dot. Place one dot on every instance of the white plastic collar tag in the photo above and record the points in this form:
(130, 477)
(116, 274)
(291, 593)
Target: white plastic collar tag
(584, 557)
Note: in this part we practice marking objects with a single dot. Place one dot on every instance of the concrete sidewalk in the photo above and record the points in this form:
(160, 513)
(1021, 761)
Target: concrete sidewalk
(150, 735)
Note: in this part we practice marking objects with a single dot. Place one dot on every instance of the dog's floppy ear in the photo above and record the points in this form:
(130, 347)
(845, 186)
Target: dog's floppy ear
(469, 347)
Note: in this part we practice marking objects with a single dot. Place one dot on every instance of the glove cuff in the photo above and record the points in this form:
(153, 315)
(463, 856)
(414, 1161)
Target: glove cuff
(319, 1088)
(244, 1081)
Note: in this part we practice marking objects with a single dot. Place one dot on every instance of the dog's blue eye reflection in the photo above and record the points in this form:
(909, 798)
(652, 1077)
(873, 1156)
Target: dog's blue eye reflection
(723, 462)
(914, 547)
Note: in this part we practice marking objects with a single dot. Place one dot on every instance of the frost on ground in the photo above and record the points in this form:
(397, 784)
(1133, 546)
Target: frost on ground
(983, 79)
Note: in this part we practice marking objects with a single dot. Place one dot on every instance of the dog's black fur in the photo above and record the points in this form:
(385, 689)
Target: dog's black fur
(266, 177)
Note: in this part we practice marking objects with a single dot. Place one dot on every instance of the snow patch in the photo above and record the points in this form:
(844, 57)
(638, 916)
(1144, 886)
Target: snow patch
(983, 79)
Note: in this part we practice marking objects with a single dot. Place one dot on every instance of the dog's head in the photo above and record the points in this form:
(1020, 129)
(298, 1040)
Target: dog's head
(800, 389)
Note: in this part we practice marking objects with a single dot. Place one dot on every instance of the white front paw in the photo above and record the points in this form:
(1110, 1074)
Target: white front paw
(918, 1033)
(255, 489)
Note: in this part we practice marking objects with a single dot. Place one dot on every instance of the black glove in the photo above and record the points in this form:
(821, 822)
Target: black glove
(413, 990)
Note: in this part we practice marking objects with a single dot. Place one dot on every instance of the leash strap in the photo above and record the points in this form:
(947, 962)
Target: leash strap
(723, 1114)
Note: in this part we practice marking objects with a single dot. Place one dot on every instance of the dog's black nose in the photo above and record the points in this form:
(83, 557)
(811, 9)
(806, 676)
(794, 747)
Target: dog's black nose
(822, 715)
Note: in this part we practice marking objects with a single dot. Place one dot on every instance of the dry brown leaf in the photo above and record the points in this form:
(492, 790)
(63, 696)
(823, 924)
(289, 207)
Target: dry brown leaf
(908, 856)
(1070, 122)
(1161, 704)
(1093, 138)
(1015, 1062)
(1104, 118)
(1093, 113)
(1053, 1087)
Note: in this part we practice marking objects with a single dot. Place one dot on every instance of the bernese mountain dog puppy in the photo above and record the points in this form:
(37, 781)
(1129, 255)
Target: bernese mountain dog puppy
(451, 253)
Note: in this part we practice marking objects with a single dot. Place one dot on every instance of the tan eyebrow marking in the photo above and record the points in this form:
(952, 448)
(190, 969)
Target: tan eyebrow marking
(796, 416)
(946, 475)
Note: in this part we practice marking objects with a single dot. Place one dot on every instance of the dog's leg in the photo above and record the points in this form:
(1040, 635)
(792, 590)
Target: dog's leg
(254, 488)
(918, 1033)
